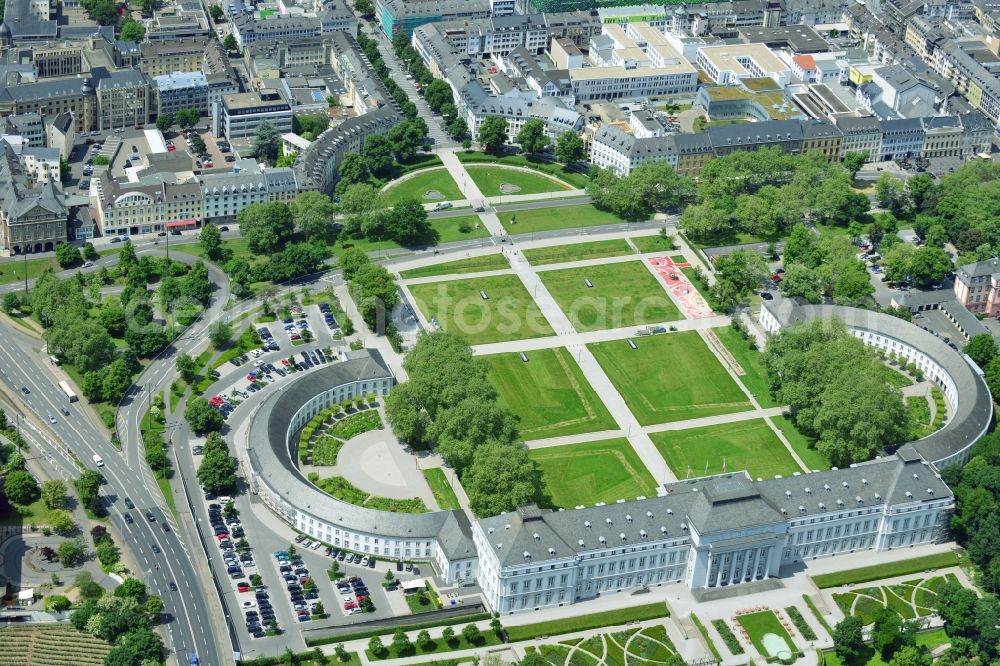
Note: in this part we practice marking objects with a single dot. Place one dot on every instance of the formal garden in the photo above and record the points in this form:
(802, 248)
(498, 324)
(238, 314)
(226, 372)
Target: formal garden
(909, 599)
(649, 646)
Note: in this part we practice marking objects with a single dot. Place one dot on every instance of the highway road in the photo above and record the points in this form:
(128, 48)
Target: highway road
(188, 611)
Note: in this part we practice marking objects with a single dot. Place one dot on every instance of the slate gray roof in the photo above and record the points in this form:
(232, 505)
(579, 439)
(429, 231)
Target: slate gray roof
(974, 411)
(272, 461)
(19, 20)
(711, 505)
(851, 126)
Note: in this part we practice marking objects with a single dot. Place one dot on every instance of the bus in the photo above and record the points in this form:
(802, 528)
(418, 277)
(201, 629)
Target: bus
(68, 391)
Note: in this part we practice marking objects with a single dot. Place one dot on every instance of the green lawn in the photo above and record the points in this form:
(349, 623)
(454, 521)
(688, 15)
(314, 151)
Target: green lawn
(623, 294)
(548, 219)
(416, 186)
(871, 657)
(489, 180)
(237, 246)
(443, 493)
(576, 623)
(670, 377)
(813, 459)
(654, 243)
(35, 513)
(727, 447)
(584, 474)
(765, 622)
(508, 314)
(887, 570)
(489, 262)
(578, 252)
(578, 179)
(755, 379)
(895, 378)
(549, 393)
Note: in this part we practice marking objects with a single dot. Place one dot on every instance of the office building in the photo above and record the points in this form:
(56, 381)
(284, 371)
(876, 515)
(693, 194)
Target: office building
(242, 113)
(181, 90)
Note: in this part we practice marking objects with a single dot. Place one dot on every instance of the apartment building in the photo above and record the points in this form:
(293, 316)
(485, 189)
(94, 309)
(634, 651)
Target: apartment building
(977, 287)
(33, 215)
(182, 55)
(181, 90)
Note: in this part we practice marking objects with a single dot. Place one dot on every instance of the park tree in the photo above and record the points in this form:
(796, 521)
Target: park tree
(448, 635)
(366, 8)
(376, 647)
(67, 255)
(220, 333)
(230, 44)
(890, 633)
(20, 487)
(131, 588)
(532, 137)
(408, 420)
(407, 224)
(569, 147)
(493, 133)
(981, 349)
(216, 13)
(737, 276)
(802, 281)
(376, 294)
(210, 239)
(154, 606)
(61, 522)
(54, 493)
(401, 645)
(458, 128)
(71, 552)
(351, 261)
(353, 169)
(848, 638)
(266, 142)
(137, 647)
(911, 655)
(187, 367)
(437, 94)
(377, 154)
(854, 160)
(314, 213)
(266, 226)
(929, 265)
(196, 285)
(406, 139)
(132, 30)
(217, 470)
(471, 634)
(202, 417)
(500, 478)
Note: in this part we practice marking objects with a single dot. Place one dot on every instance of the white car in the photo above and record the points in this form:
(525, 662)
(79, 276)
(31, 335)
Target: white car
(249, 604)
(348, 599)
(354, 611)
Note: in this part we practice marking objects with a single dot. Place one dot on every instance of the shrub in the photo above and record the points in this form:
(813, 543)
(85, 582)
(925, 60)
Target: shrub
(728, 637)
(800, 623)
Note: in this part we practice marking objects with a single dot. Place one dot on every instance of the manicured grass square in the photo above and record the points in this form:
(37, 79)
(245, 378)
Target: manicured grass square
(415, 187)
(750, 360)
(459, 228)
(584, 474)
(655, 243)
(765, 622)
(623, 294)
(670, 377)
(444, 495)
(561, 217)
(489, 262)
(578, 252)
(802, 445)
(549, 393)
(727, 447)
(508, 314)
(490, 179)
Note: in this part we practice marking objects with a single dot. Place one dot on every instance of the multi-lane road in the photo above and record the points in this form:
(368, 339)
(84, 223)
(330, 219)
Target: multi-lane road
(188, 609)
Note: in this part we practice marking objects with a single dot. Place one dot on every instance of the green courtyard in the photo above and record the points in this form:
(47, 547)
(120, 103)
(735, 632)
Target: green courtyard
(415, 187)
(559, 217)
(584, 474)
(767, 635)
(549, 393)
(622, 294)
(671, 377)
(495, 181)
(508, 312)
(726, 447)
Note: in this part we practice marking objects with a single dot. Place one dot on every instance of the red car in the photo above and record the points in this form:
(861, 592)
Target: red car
(776, 277)
(243, 587)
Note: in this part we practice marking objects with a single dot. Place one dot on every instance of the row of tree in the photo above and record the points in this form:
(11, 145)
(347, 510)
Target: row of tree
(370, 48)
(449, 404)
(372, 288)
(836, 390)
(380, 152)
(825, 266)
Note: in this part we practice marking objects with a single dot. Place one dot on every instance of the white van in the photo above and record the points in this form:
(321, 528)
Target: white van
(98, 460)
